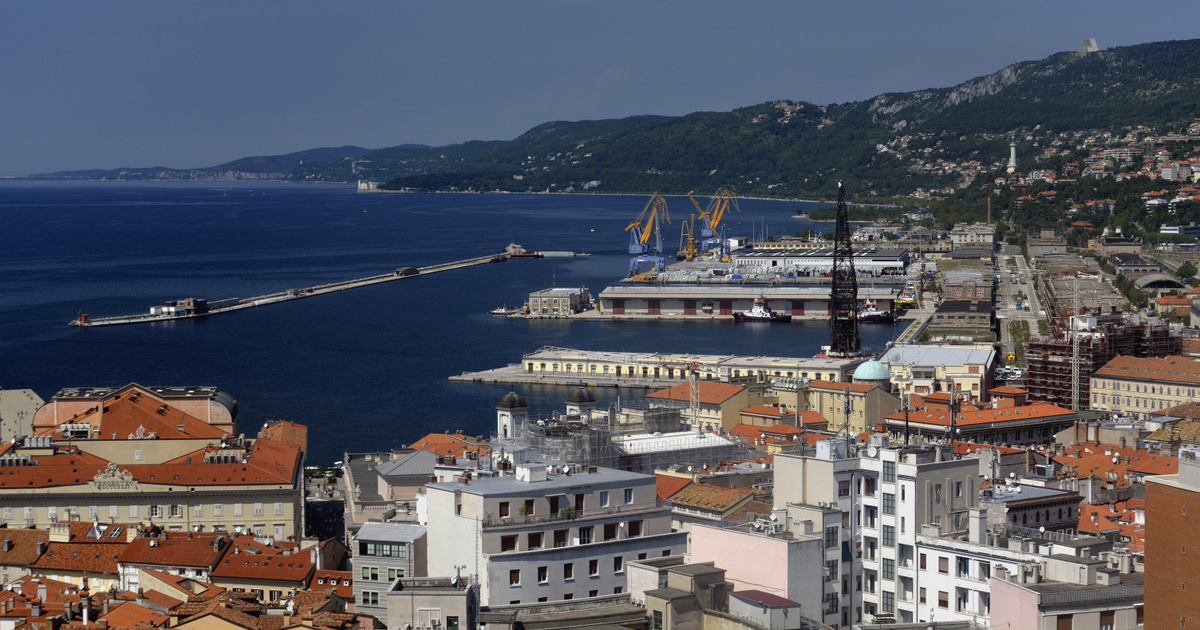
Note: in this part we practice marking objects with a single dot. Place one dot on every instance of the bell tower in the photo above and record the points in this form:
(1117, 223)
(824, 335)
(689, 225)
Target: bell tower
(511, 412)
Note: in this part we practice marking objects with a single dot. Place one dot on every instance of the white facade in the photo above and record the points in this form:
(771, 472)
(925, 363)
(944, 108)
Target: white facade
(544, 535)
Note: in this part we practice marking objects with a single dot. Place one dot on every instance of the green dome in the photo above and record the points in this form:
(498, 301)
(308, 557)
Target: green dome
(871, 371)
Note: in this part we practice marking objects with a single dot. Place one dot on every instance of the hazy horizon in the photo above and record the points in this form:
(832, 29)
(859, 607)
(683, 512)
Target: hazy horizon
(142, 84)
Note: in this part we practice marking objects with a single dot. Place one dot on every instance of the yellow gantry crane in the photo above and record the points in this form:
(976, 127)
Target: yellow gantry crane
(710, 219)
(649, 221)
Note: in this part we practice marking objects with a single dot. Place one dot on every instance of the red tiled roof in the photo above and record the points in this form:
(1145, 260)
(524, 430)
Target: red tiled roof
(667, 485)
(1172, 369)
(131, 615)
(178, 549)
(80, 558)
(161, 599)
(127, 415)
(280, 562)
(710, 393)
(1006, 390)
(342, 580)
(1173, 300)
(712, 498)
(985, 416)
(1092, 459)
(24, 546)
(58, 594)
(455, 444)
(188, 587)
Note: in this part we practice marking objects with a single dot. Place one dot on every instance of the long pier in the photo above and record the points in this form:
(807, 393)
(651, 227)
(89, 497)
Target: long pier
(236, 304)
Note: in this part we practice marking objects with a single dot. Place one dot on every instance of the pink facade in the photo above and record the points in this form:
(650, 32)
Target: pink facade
(781, 566)
(1013, 605)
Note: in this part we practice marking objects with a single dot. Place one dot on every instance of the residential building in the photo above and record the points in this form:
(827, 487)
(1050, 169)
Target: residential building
(1028, 424)
(1141, 388)
(1071, 592)
(384, 552)
(973, 235)
(719, 405)
(188, 554)
(927, 369)
(868, 502)
(858, 407)
(270, 569)
(692, 592)
(546, 532)
(1035, 507)
(422, 602)
(1172, 510)
(207, 404)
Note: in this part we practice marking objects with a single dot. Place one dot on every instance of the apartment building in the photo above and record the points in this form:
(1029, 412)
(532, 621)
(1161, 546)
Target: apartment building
(1173, 508)
(868, 503)
(383, 553)
(543, 532)
(1141, 388)
(860, 407)
(930, 369)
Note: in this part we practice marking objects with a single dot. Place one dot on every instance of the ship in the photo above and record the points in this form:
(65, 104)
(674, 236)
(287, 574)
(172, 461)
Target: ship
(760, 313)
(870, 314)
(503, 311)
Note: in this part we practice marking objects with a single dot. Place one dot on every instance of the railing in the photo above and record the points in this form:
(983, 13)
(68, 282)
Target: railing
(569, 514)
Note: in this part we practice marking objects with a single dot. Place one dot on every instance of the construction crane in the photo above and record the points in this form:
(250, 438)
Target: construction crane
(648, 222)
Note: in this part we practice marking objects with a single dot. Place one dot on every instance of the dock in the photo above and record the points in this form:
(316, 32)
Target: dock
(193, 308)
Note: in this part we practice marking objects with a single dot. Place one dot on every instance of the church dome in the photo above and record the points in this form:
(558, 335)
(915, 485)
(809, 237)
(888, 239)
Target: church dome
(871, 371)
(581, 396)
(512, 400)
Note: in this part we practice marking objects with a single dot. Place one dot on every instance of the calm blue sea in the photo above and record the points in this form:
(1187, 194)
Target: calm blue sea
(364, 369)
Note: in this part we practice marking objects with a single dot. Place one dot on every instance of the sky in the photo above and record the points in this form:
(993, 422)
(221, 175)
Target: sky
(187, 85)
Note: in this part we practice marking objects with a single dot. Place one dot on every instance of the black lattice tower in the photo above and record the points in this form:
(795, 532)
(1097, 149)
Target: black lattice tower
(843, 297)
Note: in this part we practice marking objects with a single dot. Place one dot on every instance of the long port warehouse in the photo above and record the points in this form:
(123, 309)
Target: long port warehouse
(192, 307)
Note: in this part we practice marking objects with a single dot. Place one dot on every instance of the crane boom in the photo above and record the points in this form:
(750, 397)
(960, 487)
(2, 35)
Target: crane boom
(642, 230)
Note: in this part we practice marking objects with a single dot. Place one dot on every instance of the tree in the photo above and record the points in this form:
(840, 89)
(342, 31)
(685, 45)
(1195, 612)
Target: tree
(1186, 270)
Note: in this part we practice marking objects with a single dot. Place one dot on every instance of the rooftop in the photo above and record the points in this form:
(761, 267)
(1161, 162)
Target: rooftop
(936, 356)
(508, 484)
(390, 532)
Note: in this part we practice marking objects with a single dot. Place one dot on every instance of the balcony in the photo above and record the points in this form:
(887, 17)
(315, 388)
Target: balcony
(568, 514)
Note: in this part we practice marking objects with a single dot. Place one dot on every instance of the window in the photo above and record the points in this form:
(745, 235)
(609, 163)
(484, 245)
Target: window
(504, 509)
(93, 512)
(8, 512)
(113, 512)
(514, 577)
(944, 565)
(29, 513)
(962, 567)
(279, 528)
(1108, 620)
(278, 508)
(889, 535)
(391, 574)
(943, 599)
(603, 498)
(155, 511)
(635, 529)
(889, 472)
(508, 543)
(656, 623)
(593, 568)
(610, 531)
(831, 537)
(889, 601)
(237, 509)
(133, 512)
(569, 571)
(258, 509)
(452, 622)
(628, 496)
(535, 540)
(176, 511)
(921, 595)
(560, 537)
(958, 489)
(618, 564)
(198, 510)
(889, 569)
(543, 574)
(528, 508)
(219, 510)
(593, 593)
(922, 561)
(585, 535)
(889, 503)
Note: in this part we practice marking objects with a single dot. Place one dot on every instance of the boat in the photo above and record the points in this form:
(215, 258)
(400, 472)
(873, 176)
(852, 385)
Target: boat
(870, 314)
(524, 254)
(503, 311)
(760, 313)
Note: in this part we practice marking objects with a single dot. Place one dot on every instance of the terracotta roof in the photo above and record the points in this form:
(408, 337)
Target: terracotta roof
(1092, 459)
(1006, 390)
(1173, 300)
(285, 431)
(1172, 369)
(58, 594)
(710, 393)
(24, 546)
(343, 580)
(280, 562)
(161, 599)
(127, 415)
(79, 557)
(711, 498)
(985, 416)
(668, 486)
(190, 588)
(841, 387)
(455, 444)
(178, 549)
(131, 615)
(220, 607)
(1116, 518)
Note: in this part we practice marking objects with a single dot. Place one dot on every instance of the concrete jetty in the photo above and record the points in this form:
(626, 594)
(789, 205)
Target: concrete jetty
(193, 308)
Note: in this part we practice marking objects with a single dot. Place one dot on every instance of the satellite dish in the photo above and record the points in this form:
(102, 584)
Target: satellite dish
(774, 517)
(872, 451)
(1116, 459)
(1042, 529)
(1011, 475)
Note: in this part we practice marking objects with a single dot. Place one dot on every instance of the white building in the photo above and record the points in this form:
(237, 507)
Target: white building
(548, 532)
(973, 235)
(870, 502)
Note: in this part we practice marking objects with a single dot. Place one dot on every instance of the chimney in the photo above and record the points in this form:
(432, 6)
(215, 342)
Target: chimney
(102, 624)
(41, 591)
(35, 606)
(8, 543)
(316, 554)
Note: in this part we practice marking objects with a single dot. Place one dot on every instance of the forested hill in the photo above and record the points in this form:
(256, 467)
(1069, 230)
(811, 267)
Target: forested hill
(792, 148)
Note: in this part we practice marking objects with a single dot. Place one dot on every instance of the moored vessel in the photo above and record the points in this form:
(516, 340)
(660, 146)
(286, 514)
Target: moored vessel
(760, 313)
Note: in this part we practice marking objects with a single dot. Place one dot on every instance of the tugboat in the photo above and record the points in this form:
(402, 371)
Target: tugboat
(870, 314)
(760, 313)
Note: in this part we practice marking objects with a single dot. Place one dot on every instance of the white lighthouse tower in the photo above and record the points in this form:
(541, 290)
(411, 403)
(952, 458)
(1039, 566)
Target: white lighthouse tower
(1012, 158)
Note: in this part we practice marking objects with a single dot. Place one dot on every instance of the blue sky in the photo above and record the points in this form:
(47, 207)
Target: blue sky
(116, 84)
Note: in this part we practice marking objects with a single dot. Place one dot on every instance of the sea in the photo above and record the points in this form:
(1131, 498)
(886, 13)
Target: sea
(365, 369)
